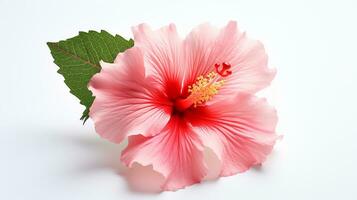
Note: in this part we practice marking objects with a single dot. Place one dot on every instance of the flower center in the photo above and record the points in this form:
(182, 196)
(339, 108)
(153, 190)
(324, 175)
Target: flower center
(205, 87)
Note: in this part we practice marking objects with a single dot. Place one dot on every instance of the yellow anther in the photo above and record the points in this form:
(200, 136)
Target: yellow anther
(205, 88)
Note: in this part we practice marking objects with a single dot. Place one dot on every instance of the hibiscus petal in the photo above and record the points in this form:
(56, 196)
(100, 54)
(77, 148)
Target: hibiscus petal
(198, 46)
(125, 103)
(240, 131)
(162, 50)
(176, 153)
(206, 45)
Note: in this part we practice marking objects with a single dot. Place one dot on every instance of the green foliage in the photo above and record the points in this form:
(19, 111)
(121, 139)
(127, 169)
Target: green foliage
(78, 60)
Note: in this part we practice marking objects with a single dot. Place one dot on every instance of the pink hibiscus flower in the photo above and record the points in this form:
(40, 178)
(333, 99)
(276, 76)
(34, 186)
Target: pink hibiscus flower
(173, 97)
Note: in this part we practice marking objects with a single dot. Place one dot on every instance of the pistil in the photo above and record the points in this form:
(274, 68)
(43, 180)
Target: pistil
(204, 88)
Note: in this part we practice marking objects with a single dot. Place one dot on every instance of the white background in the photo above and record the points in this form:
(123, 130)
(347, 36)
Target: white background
(46, 152)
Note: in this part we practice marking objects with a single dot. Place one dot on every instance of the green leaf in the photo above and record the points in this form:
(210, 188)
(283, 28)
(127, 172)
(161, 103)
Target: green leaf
(78, 60)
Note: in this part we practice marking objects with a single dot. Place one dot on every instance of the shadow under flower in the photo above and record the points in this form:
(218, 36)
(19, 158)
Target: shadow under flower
(97, 154)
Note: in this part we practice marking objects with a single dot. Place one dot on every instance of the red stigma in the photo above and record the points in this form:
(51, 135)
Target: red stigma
(223, 71)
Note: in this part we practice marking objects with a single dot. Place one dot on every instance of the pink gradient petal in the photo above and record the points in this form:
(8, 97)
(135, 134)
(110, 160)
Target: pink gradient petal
(125, 103)
(198, 47)
(240, 131)
(206, 45)
(163, 55)
(176, 153)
